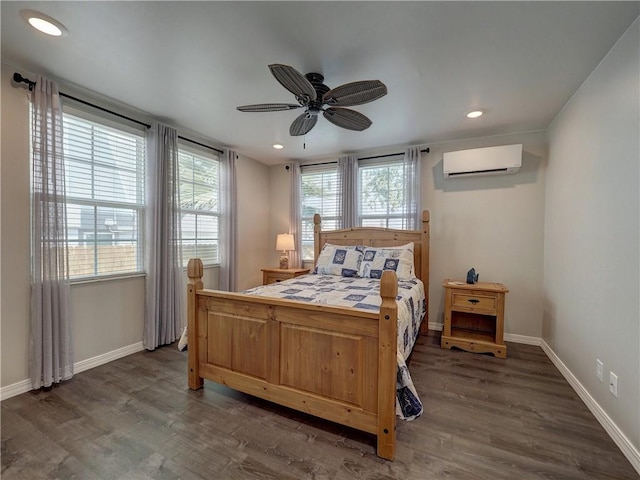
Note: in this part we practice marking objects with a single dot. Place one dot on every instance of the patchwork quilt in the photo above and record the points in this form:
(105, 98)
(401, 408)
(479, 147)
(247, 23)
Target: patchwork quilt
(364, 293)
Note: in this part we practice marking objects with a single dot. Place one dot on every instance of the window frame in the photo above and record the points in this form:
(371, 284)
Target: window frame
(138, 207)
(207, 155)
(387, 162)
(395, 220)
(329, 168)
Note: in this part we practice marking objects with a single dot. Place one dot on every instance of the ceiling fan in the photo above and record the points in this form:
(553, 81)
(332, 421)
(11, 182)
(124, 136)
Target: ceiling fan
(315, 97)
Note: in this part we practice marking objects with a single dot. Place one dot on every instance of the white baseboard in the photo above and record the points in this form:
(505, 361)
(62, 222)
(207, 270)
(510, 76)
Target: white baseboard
(24, 386)
(525, 339)
(15, 389)
(89, 363)
(435, 326)
(619, 438)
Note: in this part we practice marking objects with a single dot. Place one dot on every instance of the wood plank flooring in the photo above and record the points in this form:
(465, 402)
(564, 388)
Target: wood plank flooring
(135, 418)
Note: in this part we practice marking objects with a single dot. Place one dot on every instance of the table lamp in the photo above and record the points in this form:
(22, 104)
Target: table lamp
(284, 242)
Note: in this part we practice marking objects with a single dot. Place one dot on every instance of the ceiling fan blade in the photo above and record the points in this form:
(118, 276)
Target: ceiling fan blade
(355, 93)
(346, 118)
(268, 107)
(294, 81)
(302, 124)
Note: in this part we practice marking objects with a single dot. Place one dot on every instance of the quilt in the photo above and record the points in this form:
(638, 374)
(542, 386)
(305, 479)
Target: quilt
(364, 293)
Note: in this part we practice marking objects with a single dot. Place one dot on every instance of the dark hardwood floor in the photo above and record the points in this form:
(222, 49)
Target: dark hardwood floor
(135, 418)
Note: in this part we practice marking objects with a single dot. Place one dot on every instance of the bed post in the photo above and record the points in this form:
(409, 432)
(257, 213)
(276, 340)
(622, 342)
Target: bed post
(194, 272)
(317, 228)
(387, 365)
(424, 326)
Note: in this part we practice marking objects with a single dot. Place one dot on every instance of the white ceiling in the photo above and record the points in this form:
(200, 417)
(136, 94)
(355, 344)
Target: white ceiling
(191, 63)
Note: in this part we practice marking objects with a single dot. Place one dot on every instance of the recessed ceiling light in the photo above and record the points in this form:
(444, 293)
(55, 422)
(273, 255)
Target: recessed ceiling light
(475, 114)
(277, 146)
(44, 23)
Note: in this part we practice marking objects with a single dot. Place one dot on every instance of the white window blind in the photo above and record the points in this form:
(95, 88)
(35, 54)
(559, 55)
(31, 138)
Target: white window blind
(105, 177)
(381, 193)
(199, 204)
(321, 193)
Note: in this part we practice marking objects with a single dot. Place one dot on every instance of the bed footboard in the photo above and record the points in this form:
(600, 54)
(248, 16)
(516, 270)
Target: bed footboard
(332, 362)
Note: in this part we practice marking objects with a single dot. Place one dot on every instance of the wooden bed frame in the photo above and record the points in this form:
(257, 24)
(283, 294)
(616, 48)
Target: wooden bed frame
(333, 362)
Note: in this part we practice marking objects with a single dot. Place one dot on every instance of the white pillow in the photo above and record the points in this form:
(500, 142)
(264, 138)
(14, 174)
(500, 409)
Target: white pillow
(378, 259)
(339, 260)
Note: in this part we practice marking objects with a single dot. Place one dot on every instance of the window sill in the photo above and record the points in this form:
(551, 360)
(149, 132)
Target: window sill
(110, 278)
(106, 278)
(205, 266)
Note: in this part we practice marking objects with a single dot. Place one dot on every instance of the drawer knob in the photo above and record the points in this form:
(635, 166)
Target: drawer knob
(473, 300)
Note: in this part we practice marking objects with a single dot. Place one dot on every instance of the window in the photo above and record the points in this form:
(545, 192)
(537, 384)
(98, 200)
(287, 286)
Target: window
(199, 205)
(381, 191)
(320, 194)
(385, 196)
(105, 176)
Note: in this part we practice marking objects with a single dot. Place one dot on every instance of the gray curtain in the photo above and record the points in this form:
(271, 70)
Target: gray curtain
(295, 215)
(50, 343)
(412, 160)
(228, 223)
(164, 317)
(348, 174)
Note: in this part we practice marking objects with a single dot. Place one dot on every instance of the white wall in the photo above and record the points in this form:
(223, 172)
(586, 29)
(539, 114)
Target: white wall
(591, 279)
(254, 242)
(14, 202)
(106, 315)
(280, 200)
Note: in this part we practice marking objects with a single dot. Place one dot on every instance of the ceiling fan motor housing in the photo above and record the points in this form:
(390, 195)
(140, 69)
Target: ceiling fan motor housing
(316, 79)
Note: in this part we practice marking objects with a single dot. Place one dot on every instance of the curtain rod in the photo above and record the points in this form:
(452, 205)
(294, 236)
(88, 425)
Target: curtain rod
(426, 150)
(20, 79)
(200, 144)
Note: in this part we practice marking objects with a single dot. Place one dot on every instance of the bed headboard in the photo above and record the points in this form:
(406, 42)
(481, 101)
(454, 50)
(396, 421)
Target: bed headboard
(380, 237)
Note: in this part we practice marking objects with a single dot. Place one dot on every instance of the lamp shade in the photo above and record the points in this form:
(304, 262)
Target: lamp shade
(285, 242)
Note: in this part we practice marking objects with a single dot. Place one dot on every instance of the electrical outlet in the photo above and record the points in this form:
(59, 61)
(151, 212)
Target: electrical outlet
(613, 384)
(599, 370)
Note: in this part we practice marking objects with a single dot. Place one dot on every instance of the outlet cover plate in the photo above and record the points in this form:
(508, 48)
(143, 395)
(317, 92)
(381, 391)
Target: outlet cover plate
(613, 384)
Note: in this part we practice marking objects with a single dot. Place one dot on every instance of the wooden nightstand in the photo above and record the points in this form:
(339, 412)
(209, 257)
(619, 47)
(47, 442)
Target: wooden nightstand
(273, 275)
(474, 317)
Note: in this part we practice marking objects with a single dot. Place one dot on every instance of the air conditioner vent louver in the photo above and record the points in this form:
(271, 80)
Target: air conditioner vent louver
(500, 160)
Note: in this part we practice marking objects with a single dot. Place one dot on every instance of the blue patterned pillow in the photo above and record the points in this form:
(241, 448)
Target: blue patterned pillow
(378, 259)
(339, 260)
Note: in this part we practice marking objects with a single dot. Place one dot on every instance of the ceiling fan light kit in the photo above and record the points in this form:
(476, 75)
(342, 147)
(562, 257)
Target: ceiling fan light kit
(315, 97)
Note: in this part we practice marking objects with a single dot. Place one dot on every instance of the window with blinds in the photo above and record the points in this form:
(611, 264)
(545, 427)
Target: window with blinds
(381, 197)
(381, 193)
(105, 176)
(199, 204)
(321, 192)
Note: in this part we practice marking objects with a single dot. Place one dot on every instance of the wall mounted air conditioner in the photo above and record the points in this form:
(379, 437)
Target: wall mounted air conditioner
(482, 161)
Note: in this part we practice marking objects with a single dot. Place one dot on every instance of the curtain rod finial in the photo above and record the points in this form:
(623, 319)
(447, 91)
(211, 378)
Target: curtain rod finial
(20, 79)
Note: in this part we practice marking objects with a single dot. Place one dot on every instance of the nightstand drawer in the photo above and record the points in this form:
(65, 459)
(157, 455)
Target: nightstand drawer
(274, 275)
(468, 301)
